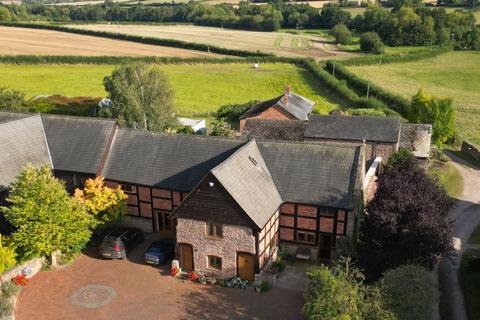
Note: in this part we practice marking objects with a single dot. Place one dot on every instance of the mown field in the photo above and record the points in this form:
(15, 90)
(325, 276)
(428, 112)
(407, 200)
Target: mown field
(15, 41)
(199, 88)
(453, 74)
(282, 44)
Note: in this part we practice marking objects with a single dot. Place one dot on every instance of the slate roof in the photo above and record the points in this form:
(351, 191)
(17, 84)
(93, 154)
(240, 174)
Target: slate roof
(77, 143)
(379, 129)
(296, 105)
(167, 161)
(417, 138)
(246, 178)
(22, 142)
(274, 129)
(313, 173)
(10, 116)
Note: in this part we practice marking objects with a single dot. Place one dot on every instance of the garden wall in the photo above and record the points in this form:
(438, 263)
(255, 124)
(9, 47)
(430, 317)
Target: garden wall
(35, 264)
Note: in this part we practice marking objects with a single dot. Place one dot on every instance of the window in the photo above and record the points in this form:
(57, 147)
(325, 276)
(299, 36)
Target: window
(214, 262)
(128, 188)
(163, 220)
(214, 230)
(306, 237)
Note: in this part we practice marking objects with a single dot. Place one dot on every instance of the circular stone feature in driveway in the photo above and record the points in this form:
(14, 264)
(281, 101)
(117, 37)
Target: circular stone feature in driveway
(93, 296)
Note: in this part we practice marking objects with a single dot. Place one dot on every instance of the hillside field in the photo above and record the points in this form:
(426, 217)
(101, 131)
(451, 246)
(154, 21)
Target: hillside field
(16, 41)
(453, 74)
(199, 88)
(278, 43)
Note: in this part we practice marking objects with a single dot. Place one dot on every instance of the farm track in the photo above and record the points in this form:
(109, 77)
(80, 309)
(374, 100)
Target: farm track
(16, 41)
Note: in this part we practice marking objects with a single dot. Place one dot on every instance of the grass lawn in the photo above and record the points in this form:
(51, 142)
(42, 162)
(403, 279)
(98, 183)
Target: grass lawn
(453, 74)
(199, 88)
(448, 176)
(470, 281)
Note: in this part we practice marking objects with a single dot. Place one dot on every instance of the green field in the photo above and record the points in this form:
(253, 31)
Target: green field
(199, 88)
(453, 74)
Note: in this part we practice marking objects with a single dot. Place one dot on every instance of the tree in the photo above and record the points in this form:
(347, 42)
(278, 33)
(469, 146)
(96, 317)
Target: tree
(438, 112)
(7, 256)
(338, 293)
(141, 97)
(342, 34)
(406, 222)
(331, 16)
(220, 127)
(5, 15)
(370, 42)
(410, 292)
(44, 216)
(104, 203)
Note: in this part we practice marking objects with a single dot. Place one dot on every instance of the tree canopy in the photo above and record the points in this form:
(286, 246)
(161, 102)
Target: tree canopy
(141, 97)
(104, 203)
(406, 222)
(44, 216)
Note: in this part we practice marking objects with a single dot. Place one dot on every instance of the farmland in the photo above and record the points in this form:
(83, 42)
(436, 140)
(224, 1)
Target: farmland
(453, 74)
(282, 44)
(199, 88)
(46, 42)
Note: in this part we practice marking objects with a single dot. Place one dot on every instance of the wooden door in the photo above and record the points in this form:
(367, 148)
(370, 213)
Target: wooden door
(245, 266)
(325, 247)
(186, 257)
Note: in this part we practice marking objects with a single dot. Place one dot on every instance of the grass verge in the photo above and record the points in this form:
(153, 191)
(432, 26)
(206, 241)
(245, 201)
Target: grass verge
(448, 176)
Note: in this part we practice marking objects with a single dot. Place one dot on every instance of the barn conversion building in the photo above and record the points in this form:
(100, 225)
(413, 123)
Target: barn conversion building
(228, 203)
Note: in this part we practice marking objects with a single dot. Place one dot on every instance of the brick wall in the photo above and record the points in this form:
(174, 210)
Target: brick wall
(274, 113)
(235, 238)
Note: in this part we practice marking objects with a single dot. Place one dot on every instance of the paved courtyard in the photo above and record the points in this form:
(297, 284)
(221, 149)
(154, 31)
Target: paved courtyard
(93, 288)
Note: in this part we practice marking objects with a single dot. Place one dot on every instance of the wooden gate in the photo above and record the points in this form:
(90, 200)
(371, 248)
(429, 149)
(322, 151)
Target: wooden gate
(245, 266)
(186, 257)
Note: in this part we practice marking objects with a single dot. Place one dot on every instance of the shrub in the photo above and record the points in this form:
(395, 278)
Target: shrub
(370, 42)
(6, 306)
(232, 112)
(366, 112)
(12, 100)
(7, 256)
(185, 130)
(221, 128)
(410, 292)
(341, 34)
(9, 289)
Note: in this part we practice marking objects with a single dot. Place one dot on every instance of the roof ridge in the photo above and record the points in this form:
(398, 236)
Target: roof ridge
(188, 136)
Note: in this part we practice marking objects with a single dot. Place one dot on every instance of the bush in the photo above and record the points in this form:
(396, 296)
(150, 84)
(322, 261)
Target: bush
(9, 289)
(341, 34)
(410, 292)
(370, 42)
(221, 128)
(232, 112)
(6, 306)
(12, 100)
(7, 256)
(366, 112)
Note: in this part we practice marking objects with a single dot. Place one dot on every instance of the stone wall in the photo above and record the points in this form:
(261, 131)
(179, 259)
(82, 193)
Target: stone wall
(235, 239)
(35, 266)
(274, 113)
(471, 150)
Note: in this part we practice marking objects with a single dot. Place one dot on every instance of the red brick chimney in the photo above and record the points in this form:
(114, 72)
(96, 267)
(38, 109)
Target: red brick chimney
(285, 95)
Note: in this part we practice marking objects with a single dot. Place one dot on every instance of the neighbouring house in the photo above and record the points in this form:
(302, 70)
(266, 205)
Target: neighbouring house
(198, 126)
(382, 135)
(289, 106)
(227, 202)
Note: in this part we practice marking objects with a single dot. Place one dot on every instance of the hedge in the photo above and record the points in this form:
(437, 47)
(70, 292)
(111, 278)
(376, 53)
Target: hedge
(146, 40)
(38, 59)
(361, 86)
(392, 58)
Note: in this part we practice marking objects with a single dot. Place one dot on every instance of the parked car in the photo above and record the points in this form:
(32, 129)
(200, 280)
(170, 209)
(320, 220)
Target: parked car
(118, 242)
(159, 252)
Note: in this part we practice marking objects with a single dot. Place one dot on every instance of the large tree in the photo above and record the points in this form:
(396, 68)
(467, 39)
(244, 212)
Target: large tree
(141, 97)
(407, 221)
(45, 217)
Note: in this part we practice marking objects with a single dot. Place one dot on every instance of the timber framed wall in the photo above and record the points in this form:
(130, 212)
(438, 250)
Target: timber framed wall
(268, 239)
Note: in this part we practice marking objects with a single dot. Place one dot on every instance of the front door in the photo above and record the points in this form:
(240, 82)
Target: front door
(325, 247)
(186, 257)
(245, 266)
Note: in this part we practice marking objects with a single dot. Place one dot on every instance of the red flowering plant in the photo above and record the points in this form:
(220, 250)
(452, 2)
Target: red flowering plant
(20, 280)
(193, 276)
(174, 271)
